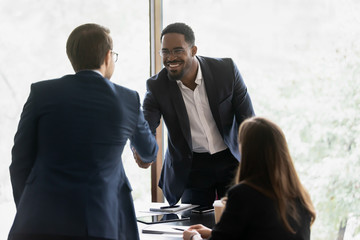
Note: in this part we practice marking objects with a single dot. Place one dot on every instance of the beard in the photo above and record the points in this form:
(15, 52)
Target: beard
(175, 75)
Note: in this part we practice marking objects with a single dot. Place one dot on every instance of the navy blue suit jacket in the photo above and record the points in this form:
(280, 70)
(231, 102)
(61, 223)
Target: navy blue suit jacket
(229, 102)
(66, 171)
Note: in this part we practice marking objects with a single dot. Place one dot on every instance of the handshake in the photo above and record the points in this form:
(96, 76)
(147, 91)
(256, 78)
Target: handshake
(138, 160)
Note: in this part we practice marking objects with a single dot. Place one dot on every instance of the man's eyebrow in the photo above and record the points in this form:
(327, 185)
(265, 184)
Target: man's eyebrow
(173, 48)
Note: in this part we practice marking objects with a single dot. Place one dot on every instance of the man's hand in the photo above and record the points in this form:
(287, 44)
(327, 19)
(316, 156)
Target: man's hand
(138, 160)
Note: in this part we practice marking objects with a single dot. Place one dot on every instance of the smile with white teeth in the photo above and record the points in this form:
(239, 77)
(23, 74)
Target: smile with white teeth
(173, 64)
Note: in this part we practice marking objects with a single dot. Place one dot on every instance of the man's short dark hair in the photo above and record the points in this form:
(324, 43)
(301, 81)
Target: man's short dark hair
(88, 45)
(180, 28)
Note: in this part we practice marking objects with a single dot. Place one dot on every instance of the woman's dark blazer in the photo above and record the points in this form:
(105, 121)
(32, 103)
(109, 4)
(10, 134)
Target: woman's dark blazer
(250, 215)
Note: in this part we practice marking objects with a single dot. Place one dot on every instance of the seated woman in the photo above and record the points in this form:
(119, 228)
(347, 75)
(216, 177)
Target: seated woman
(268, 200)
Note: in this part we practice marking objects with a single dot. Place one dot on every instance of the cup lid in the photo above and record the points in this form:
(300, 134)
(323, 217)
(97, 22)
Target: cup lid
(218, 203)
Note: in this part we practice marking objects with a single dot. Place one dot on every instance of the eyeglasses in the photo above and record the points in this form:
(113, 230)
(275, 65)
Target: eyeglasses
(115, 55)
(178, 52)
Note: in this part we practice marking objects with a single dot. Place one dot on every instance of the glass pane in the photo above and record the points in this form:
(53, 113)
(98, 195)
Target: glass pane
(32, 43)
(301, 63)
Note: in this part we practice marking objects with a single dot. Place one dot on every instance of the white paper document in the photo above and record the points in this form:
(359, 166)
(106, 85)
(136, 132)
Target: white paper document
(165, 229)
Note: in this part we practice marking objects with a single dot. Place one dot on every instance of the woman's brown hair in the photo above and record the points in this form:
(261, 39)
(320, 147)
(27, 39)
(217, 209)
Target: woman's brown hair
(267, 166)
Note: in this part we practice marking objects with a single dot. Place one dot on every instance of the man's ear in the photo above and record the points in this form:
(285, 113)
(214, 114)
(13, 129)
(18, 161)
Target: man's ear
(108, 58)
(193, 50)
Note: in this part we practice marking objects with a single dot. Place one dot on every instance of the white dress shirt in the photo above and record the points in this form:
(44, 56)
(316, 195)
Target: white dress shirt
(205, 135)
(97, 71)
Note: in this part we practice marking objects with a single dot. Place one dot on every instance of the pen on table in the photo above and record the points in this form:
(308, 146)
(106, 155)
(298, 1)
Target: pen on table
(173, 206)
(179, 229)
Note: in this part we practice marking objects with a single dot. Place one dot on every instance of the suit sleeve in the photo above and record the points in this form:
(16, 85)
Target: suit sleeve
(142, 139)
(241, 101)
(25, 148)
(152, 112)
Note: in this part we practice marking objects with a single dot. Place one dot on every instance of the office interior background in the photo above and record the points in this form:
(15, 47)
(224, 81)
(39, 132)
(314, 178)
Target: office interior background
(299, 58)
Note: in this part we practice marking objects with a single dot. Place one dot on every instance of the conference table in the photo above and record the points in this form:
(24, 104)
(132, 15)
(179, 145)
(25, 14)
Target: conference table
(207, 219)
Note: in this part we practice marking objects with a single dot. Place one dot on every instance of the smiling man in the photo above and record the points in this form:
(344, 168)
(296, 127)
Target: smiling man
(202, 101)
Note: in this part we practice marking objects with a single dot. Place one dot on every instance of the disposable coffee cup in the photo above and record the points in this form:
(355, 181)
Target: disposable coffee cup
(218, 209)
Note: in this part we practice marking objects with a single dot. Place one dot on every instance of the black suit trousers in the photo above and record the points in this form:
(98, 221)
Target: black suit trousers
(210, 177)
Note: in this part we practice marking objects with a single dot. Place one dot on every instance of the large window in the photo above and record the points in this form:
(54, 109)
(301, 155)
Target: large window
(299, 59)
(301, 63)
(32, 46)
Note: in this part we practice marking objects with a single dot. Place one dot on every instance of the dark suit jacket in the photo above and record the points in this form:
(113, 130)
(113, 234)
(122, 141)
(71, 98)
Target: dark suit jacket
(229, 102)
(66, 171)
(250, 215)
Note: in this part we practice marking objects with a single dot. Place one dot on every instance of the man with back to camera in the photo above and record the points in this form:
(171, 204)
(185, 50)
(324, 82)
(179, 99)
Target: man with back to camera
(202, 101)
(66, 172)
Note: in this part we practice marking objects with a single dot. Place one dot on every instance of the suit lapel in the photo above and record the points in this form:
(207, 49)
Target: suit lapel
(211, 91)
(180, 108)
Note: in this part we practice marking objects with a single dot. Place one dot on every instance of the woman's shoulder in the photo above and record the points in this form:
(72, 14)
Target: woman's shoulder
(243, 188)
(248, 193)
